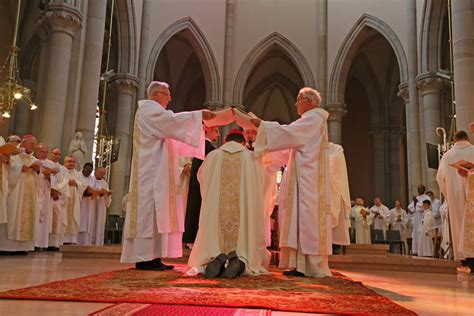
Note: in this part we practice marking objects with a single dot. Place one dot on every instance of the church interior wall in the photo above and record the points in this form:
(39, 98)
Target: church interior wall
(209, 17)
(297, 22)
(343, 14)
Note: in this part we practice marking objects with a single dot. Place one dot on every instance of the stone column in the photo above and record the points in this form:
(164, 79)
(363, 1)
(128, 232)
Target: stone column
(22, 111)
(381, 173)
(44, 35)
(412, 109)
(91, 71)
(126, 86)
(336, 113)
(323, 50)
(64, 21)
(228, 50)
(396, 189)
(463, 58)
(430, 87)
(143, 60)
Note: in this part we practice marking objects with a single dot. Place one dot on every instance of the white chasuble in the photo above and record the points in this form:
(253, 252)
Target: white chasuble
(340, 195)
(466, 242)
(24, 199)
(155, 207)
(454, 188)
(233, 183)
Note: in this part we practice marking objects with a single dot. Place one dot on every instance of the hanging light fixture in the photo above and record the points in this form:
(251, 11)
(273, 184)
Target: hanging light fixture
(12, 91)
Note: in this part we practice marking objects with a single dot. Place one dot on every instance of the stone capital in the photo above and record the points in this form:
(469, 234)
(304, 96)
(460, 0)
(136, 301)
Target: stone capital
(336, 111)
(125, 83)
(430, 83)
(60, 17)
(403, 92)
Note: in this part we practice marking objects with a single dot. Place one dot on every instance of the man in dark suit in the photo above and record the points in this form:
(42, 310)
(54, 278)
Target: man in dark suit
(193, 207)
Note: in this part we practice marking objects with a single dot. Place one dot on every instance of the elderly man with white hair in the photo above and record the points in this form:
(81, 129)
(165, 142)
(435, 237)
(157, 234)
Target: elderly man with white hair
(305, 207)
(154, 221)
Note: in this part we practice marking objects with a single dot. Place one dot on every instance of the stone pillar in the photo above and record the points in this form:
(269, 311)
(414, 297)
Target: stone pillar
(463, 58)
(381, 172)
(44, 34)
(126, 86)
(323, 51)
(143, 60)
(228, 50)
(91, 71)
(63, 21)
(430, 87)
(412, 110)
(336, 113)
(396, 189)
(22, 111)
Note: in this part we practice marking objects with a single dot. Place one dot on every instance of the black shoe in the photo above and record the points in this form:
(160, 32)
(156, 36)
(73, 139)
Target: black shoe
(235, 267)
(52, 249)
(293, 273)
(216, 266)
(150, 265)
(157, 262)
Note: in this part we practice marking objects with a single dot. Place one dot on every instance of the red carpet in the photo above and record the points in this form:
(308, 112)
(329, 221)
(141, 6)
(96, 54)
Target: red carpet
(135, 309)
(337, 295)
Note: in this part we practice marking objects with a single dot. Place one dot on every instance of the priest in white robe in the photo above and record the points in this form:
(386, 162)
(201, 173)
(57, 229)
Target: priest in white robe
(363, 220)
(103, 198)
(340, 196)
(416, 208)
(71, 218)
(305, 211)
(426, 231)
(154, 223)
(60, 195)
(399, 221)
(24, 198)
(45, 209)
(233, 182)
(454, 187)
(381, 216)
(7, 166)
(87, 206)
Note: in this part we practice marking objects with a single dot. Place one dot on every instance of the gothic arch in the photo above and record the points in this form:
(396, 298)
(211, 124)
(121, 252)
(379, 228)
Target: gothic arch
(272, 40)
(125, 18)
(364, 28)
(203, 51)
(434, 12)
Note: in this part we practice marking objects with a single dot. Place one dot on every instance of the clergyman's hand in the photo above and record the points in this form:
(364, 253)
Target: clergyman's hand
(207, 115)
(256, 122)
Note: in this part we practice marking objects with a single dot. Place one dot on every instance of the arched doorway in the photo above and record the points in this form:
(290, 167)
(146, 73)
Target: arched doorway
(373, 132)
(269, 79)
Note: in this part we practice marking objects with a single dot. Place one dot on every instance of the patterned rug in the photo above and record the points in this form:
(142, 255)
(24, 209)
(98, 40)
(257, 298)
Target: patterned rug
(135, 309)
(336, 295)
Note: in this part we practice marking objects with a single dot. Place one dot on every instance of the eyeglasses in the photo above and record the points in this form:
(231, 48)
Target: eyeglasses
(167, 94)
(299, 99)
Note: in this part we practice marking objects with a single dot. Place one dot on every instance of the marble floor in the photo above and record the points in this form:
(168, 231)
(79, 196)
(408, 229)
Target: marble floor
(424, 293)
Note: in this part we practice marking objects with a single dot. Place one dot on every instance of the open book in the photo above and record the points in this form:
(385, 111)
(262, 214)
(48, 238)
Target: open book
(230, 114)
(462, 165)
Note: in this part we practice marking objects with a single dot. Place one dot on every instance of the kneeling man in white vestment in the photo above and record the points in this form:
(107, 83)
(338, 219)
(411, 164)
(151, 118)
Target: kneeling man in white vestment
(231, 235)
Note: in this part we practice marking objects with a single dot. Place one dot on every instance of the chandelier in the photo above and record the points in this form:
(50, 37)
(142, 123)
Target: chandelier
(12, 91)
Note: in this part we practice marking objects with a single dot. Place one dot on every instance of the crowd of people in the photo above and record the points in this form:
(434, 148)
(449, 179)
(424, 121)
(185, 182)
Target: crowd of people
(223, 210)
(425, 217)
(44, 204)
(232, 192)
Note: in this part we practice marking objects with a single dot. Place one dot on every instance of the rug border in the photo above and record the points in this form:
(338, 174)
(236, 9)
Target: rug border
(121, 301)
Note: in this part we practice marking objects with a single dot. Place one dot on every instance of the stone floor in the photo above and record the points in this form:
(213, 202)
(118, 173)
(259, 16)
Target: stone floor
(424, 293)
